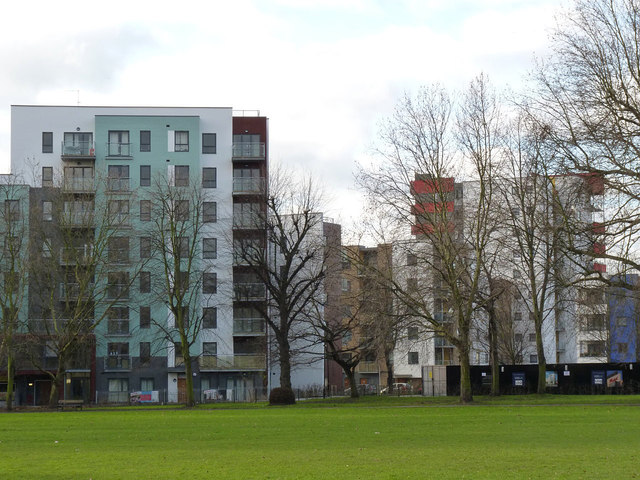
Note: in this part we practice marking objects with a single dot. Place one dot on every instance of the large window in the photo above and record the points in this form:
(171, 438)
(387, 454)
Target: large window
(594, 348)
(209, 212)
(145, 247)
(78, 144)
(47, 211)
(413, 358)
(181, 141)
(119, 212)
(181, 212)
(47, 142)
(118, 285)
(145, 282)
(145, 317)
(209, 143)
(209, 348)
(209, 248)
(181, 175)
(145, 352)
(119, 145)
(210, 317)
(145, 140)
(145, 210)
(209, 177)
(47, 176)
(11, 210)
(118, 321)
(118, 178)
(209, 282)
(145, 175)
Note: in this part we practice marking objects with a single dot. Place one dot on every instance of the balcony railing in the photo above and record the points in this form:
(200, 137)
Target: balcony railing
(247, 221)
(72, 291)
(117, 362)
(79, 185)
(248, 326)
(367, 367)
(75, 255)
(77, 218)
(249, 291)
(118, 326)
(117, 149)
(232, 362)
(78, 149)
(248, 185)
(248, 150)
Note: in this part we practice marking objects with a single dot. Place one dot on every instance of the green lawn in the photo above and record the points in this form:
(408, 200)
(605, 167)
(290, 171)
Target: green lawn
(426, 438)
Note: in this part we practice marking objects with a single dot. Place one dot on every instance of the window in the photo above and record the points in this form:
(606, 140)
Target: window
(209, 248)
(118, 321)
(147, 384)
(181, 141)
(118, 145)
(412, 333)
(412, 284)
(592, 349)
(145, 317)
(145, 282)
(516, 273)
(622, 348)
(346, 285)
(46, 248)
(118, 250)
(145, 247)
(145, 140)
(145, 352)
(145, 210)
(11, 210)
(209, 177)
(118, 285)
(181, 173)
(145, 175)
(181, 281)
(183, 247)
(208, 143)
(209, 348)
(518, 337)
(209, 283)
(533, 358)
(210, 317)
(413, 358)
(78, 144)
(119, 212)
(247, 145)
(118, 178)
(517, 316)
(209, 212)
(119, 385)
(47, 211)
(622, 322)
(412, 259)
(47, 176)
(47, 142)
(532, 337)
(181, 210)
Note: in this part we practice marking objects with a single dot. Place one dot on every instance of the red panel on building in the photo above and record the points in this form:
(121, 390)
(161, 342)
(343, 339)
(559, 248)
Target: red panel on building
(599, 248)
(427, 228)
(432, 207)
(441, 185)
(599, 267)
(598, 227)
(595, 182)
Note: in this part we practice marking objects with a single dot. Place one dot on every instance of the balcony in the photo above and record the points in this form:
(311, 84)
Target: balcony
(117, 362)
(249, 150)
(232, 362)
(118, 185)
(247, 221)
(74, 291)
(77, 219)
(248, 326)
(79, 185)
(367, 367)
(118, 326)
(249, 185)
(249, 292)
(76, 150)
(75, 255)
(118, 149)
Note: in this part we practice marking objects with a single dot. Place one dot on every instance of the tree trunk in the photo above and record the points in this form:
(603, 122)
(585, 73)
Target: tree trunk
(55, 386)
(493, 355)
(10, 379)
(285, 363)
(351, 375)
(389, 363)
(542, 362)
(188, 371)
(466, 395)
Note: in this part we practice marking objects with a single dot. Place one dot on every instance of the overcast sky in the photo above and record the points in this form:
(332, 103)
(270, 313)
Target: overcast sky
(324, 71)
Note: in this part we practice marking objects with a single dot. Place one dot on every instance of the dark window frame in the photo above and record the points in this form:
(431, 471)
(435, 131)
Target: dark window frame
(47, 142)
(145, 175)
(145, 140)
(209, 182)
(209, 143)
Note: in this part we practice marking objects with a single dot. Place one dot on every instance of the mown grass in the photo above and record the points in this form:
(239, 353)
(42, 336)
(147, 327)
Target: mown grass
(391, 438)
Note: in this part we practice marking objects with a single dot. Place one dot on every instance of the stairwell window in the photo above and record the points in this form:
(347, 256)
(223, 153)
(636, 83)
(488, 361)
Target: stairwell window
(47, 142)
(413, 358)
(181, 141)
(209, 143)
(145, 140)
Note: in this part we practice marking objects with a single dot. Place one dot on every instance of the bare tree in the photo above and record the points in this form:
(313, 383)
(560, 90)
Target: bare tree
(291, 264)
(14, 268)
(421, 156)
(587, 101)
(180, 214)
(73, 286)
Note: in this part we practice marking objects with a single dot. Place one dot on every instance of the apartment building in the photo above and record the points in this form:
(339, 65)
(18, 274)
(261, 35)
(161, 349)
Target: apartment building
(91, 170)
(574, 328)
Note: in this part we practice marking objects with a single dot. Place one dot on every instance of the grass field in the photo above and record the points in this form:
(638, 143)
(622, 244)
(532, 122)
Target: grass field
(373, 438)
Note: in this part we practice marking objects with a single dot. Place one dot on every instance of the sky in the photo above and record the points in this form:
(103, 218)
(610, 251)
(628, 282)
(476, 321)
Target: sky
(325, 72)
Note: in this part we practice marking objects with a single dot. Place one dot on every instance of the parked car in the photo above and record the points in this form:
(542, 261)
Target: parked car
(398, 389)
(364, 389)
